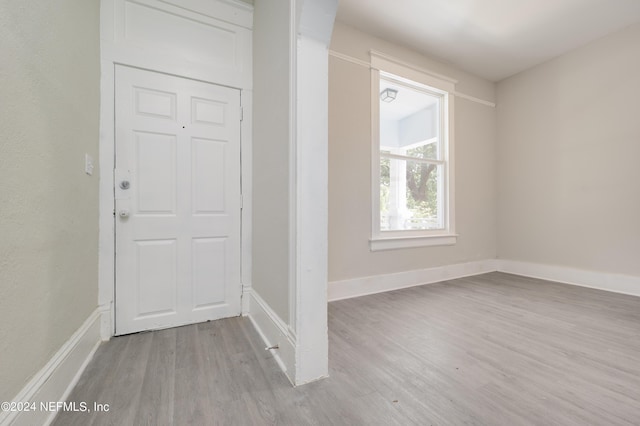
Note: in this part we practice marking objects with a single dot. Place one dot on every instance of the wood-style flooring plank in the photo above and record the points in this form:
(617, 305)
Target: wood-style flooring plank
(192, 404)
(494, 349)
(157, 392)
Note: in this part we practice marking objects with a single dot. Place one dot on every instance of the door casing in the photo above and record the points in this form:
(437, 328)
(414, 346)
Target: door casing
(117, 48)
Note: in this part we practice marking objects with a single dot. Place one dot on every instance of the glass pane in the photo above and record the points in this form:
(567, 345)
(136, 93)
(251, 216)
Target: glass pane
(428, 150)
(410, 196)
(409, 121)
(384, 194)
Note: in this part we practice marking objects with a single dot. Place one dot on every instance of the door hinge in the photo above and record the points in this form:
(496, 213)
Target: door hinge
(241, 201)
(241, 113)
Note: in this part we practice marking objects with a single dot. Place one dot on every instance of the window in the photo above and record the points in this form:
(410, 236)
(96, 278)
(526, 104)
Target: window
(412, 160)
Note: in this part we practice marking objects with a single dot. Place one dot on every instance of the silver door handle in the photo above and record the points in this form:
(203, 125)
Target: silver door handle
(123, 214)
(125, 184)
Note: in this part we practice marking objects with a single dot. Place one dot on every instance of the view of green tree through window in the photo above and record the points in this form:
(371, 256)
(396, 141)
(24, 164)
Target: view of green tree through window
(412, 158)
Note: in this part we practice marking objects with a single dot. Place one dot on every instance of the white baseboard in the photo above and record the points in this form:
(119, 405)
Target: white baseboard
(274, 331)
(616, 283)
(357, 287)
(57, 378)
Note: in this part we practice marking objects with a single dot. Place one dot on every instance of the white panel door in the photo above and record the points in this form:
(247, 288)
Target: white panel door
(177, 201)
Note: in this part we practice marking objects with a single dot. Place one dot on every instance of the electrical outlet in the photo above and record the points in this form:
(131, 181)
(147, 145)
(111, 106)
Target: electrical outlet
(88, 164)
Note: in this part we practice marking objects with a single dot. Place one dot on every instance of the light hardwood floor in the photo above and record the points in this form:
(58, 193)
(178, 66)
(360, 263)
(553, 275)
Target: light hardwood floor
(494, 349)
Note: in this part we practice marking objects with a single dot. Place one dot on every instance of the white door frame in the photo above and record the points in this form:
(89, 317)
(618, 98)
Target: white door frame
(115, 49)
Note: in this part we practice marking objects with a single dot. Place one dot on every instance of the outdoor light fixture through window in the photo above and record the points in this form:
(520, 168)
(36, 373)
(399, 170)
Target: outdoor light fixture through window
(388, 95)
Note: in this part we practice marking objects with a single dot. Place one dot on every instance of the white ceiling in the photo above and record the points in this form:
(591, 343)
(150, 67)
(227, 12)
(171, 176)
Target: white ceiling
(490, 38)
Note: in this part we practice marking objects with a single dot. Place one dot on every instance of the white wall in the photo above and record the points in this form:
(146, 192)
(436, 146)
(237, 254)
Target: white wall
(350, 163)
(271, 144)
(568, 153)
(289, 295)
(49, 91)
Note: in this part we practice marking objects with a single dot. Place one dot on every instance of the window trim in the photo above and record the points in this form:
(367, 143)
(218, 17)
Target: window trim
(390, 68)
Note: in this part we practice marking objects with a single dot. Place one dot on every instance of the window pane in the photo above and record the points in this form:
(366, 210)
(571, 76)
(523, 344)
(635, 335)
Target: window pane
(429, 151)
(384, 193)
(409, 121)
(410, 195)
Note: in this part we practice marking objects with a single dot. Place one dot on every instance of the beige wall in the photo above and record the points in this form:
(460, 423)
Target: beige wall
(350, 166)
(49, 100)
(568, 155)
(271, 143)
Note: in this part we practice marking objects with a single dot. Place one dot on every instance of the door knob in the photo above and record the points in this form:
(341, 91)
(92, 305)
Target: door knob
(125, 184)
(123, 214)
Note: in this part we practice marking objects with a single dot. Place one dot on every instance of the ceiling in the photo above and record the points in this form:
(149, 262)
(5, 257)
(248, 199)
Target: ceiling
(490, 38)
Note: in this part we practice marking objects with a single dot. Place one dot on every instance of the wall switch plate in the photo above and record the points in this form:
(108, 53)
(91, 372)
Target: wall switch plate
(88, 164)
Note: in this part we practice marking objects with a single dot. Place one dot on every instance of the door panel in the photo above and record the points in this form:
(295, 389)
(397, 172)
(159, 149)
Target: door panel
(155, 165)
(208, 271)
(178, 220)
(156, 277)
(208, 176)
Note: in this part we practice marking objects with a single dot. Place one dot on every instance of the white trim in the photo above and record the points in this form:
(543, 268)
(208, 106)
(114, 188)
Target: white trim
(360, 62)
(382, 61)
(234, 12)
(474, 99)
(232, 69)
(274, 331)
(117, 51)
(57, 378)
(384, 240)
(106, 321)
(348, 58)
(246, 153)
(246, 300)
(311, 197)
(357, 287)
(293, 159)
(393, 243)
(106, 221)
(375, 154)
(615, 283)
(450, 154)
(414, 159)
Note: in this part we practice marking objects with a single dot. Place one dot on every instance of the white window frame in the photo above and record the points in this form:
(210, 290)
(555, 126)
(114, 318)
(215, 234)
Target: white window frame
(394, 69)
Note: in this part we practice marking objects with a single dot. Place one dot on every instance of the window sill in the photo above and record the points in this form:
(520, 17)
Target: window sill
(394, 243)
